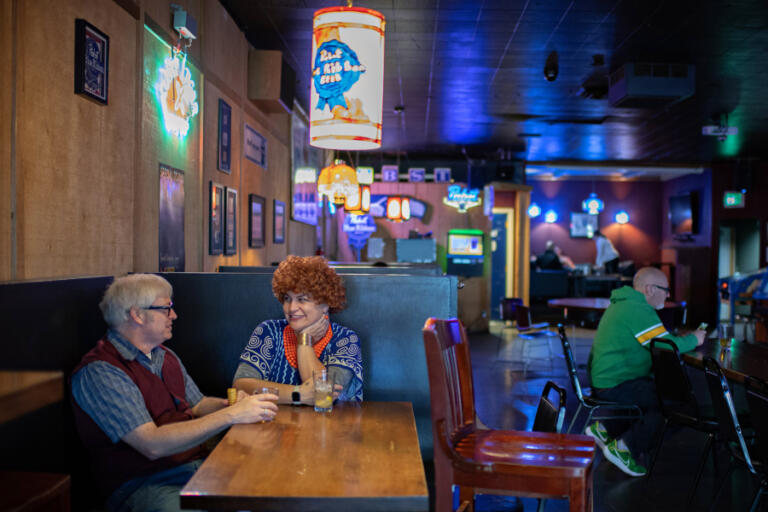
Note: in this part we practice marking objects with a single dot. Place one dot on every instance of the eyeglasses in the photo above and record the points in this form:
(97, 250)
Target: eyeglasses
(167, 308)
(666, 290)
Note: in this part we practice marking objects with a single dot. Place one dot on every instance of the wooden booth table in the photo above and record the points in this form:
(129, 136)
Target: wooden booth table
(741, 360)
(25, 391)
(598, 305)
(360, 457)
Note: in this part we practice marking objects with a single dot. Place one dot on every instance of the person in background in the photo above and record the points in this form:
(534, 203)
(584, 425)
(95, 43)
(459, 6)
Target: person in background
(620, 367)
(607, 255)
(308, 289)
(138, 412)
(565, 261)
(548, 260)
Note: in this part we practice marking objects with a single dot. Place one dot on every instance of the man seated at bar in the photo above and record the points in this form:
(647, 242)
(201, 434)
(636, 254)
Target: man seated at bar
(284, 353)
(620, 367)
(138, 412)
(549, 260)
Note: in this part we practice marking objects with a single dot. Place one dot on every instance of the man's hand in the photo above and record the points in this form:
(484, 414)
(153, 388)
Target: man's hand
(701, 335)
(252, 408)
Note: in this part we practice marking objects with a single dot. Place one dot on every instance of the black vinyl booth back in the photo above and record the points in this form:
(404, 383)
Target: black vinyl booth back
(49, 325)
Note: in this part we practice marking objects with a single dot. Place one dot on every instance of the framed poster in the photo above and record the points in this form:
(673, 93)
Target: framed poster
(91, 61)
(256, 221)
(171, 220)
(225, 136)
(278, 223)
(583, 225)
(306, 164)
(230, 221)
(255, 146)
(216, 219)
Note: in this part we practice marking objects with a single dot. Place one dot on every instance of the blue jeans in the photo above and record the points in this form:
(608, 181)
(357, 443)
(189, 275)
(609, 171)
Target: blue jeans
(158, 492)
(640, 435)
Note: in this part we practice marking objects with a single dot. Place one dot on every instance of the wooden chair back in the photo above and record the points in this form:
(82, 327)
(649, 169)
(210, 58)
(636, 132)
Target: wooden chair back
(450, 376)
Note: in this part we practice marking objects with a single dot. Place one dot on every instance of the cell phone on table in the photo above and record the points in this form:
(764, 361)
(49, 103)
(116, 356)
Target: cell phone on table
(703, 326)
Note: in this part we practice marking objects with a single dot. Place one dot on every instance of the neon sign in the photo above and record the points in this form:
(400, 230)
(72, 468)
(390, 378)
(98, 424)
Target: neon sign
(462, 198)
(175, 91)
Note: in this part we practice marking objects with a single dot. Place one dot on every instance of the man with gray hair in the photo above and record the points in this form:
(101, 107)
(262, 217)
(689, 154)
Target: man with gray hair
(620, 367)
(138, 412)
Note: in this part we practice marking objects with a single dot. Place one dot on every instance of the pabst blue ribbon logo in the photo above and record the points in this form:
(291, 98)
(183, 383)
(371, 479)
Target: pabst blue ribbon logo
(336, 70)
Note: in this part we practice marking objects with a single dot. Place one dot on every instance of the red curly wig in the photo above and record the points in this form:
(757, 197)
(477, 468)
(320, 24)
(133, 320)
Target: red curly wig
(310, 275)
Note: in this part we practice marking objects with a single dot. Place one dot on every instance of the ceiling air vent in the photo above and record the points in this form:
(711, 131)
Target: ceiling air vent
(651, 84)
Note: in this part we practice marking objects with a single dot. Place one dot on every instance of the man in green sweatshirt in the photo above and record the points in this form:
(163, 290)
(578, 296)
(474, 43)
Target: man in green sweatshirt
(620, 367)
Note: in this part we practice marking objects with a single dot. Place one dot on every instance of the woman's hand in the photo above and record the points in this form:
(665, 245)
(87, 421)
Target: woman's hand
(318, 329)
(307, 392)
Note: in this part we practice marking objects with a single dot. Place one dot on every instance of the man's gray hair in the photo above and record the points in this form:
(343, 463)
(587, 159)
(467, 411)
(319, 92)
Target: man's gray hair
(132, 291)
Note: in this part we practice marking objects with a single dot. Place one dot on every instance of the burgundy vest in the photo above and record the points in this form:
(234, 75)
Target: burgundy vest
(116, 463)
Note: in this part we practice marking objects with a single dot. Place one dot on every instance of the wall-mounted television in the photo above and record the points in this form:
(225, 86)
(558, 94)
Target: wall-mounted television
(464, 252)
(683, 214)
(583, 225)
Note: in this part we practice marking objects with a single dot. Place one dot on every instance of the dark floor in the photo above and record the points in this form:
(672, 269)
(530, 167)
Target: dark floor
(507, 399)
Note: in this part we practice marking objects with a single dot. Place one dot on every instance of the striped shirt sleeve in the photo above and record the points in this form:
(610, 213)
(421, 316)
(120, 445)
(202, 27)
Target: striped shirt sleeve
(110, 398)
(646, 335)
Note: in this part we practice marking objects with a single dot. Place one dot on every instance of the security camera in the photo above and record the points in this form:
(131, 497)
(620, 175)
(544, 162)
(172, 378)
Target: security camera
(551, 67)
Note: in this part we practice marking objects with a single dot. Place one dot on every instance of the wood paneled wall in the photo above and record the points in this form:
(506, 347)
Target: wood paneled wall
(79, 181)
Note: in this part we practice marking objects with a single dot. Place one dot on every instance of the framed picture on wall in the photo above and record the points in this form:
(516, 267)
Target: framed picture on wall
(583, 225)
(91, 62)
(256, 221)
(230, 222)
(216, 219)
(278, 227)
(225, 136)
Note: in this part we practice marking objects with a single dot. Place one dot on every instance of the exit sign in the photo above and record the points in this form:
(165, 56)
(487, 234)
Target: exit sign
(733, 199)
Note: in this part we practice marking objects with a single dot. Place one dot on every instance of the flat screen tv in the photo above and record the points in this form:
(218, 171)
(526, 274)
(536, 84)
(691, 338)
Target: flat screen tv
(683, 214)
(467, 245)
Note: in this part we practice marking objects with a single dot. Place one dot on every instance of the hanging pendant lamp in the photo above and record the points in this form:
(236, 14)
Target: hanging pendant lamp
(337, 182)
(347, 78)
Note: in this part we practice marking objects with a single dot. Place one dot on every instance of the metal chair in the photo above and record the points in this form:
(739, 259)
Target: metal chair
(678, 403)
(731, 430)
(528, 333)
(531, 464)
(586, 402)
(757, 400)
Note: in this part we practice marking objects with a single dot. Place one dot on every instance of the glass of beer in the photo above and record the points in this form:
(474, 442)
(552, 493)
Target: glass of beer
(323, 391)
(725, 333)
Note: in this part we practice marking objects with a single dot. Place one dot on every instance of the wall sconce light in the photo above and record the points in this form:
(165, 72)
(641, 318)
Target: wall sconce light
(550, 217)
(622, 217)
(592, 204)
(534, 210)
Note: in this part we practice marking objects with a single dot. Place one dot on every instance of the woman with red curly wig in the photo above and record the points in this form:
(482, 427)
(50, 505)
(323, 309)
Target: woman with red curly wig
(308, 289)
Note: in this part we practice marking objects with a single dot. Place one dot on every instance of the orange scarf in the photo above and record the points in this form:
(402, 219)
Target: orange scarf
(289, 342)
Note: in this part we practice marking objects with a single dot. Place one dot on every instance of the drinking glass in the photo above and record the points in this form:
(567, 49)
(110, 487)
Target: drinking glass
(323, 391)
(725, 333)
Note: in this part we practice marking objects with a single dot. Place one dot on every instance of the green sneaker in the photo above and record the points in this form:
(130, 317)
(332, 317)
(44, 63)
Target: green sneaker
(622, 459)
(597, 432)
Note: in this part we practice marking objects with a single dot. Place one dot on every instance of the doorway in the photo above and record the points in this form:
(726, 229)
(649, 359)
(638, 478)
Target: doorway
(502, 257)
(738, 252)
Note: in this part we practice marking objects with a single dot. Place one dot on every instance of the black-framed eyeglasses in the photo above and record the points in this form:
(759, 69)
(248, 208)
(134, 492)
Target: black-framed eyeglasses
(167, 308)
(667, 290)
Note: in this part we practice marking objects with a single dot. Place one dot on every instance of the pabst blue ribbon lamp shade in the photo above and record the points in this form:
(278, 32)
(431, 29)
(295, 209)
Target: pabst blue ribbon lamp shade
(347, 78)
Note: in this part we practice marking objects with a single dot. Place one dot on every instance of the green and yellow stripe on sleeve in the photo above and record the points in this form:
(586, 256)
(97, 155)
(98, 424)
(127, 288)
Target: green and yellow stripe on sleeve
(655, 331)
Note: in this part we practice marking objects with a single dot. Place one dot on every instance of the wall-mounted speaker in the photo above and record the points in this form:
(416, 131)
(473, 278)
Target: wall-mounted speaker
(271, 81)
(511, 172)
